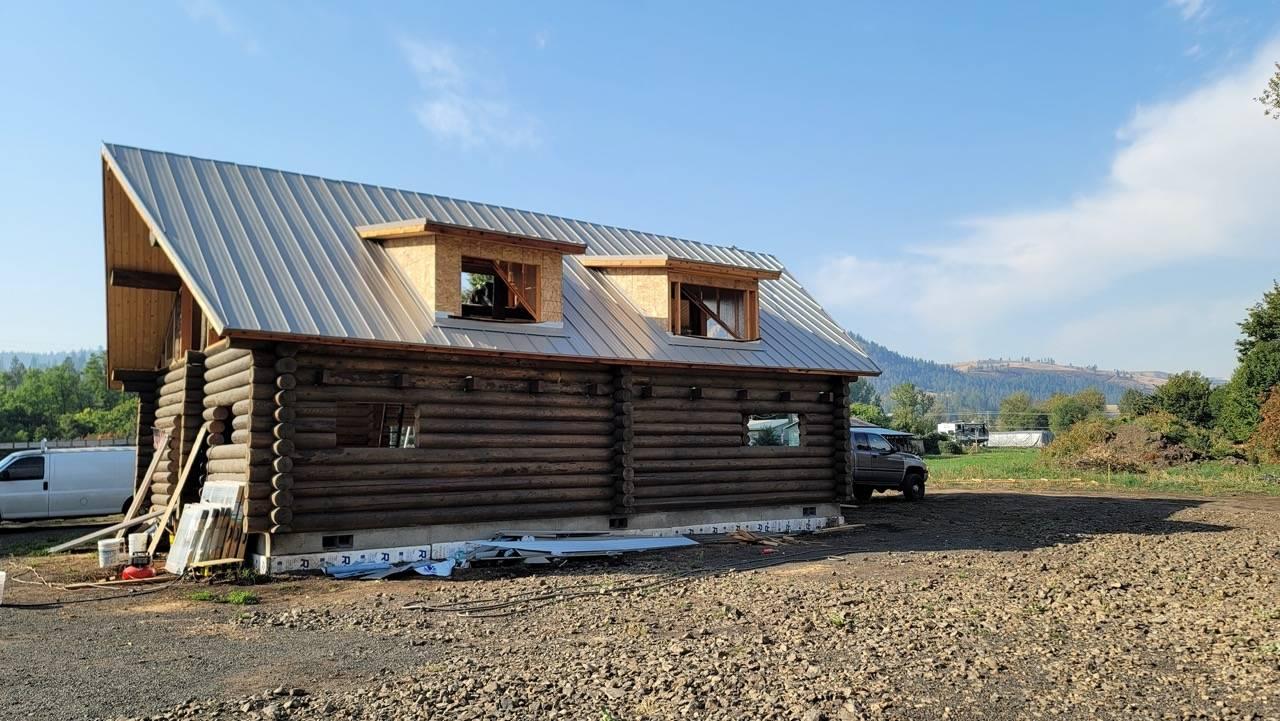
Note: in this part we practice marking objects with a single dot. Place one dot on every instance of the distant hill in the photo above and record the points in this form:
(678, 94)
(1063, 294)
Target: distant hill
(46, 360)
(979, 385)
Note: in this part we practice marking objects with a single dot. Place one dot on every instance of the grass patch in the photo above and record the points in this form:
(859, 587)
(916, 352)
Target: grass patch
(1025, 468)
(32, 547)
(235, 598)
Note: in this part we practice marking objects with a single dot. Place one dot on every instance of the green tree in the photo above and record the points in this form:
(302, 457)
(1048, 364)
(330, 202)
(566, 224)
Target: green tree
(909, 408)
(1134, 403)
(861, 391)
(1261, 324)
(1067, 410)
(1186, 396)
(1019, 412)
(1258, 372)
(870, 413)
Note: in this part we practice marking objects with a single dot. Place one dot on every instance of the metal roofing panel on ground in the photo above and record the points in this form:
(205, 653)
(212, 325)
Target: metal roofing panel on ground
(275, 252)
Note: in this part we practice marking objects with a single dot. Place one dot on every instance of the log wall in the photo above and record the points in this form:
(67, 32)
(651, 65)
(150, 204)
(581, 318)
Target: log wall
(503, 439)
(178, 396)
(691, 448)
(241, 405)
(496, 439)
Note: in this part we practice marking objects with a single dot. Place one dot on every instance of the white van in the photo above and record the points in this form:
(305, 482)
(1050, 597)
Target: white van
(57, 483)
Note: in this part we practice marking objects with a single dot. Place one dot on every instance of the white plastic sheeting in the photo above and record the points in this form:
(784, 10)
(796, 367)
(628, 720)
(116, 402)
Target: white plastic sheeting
(1019, 439)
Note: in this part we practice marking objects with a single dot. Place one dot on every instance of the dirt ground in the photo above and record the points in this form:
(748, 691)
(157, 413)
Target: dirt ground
(983, 605)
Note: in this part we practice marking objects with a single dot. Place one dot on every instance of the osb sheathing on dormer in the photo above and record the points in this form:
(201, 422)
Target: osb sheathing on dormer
(433, 265)
(136, 319)
(647, 288)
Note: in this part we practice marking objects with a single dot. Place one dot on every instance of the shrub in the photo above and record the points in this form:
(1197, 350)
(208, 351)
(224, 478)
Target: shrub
(1079, 438)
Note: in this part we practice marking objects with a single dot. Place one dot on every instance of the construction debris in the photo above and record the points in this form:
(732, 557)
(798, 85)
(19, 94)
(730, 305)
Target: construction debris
(376, 571)
(536, 549)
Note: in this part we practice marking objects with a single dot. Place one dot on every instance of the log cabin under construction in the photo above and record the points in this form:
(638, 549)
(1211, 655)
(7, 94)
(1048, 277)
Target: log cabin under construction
(384, 368)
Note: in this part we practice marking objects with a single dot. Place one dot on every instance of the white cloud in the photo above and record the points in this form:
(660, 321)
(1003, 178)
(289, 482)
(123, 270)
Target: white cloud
(1200, 333)
(215, 14)
(1190, 9)
(1195, 180)
(453, 110)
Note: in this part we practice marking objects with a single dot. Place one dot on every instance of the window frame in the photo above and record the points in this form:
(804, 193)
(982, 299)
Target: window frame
(801, 430)
(406, 416)
(748, 328)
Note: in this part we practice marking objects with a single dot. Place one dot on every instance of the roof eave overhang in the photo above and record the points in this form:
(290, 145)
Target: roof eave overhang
(255, 336)
(414, 227)
(674, 264)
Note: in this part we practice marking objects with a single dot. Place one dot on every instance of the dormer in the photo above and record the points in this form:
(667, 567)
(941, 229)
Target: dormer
(688, 297)
(478, 274)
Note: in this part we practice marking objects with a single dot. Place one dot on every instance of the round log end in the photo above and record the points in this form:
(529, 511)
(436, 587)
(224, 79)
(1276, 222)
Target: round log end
(282, 516)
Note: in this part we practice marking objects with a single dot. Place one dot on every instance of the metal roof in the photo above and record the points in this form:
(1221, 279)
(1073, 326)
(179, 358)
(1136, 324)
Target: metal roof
(268, 251)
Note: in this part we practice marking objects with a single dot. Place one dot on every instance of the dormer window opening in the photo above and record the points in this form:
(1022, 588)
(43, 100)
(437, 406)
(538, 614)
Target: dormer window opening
(709, 312)
(499, 290)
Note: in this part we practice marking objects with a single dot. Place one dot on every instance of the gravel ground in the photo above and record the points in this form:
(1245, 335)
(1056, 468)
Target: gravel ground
(968, 605)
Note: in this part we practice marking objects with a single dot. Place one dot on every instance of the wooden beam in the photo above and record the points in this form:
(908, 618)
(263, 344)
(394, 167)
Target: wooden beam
(146, 280)
(133, 375)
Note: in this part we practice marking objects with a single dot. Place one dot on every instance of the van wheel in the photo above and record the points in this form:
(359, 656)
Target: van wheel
(913, 487)
(862, 494)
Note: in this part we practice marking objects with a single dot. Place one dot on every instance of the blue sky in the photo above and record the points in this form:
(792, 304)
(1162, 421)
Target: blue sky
(1089, 181)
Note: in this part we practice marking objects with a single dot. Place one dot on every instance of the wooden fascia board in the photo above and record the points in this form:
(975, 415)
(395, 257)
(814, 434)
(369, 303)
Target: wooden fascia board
(422, 226)
(683, 265)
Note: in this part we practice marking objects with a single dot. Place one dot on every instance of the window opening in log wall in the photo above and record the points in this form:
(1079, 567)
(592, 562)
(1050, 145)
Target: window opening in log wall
(774, 429)
(377, 425)
(706, 311)
(499, 290)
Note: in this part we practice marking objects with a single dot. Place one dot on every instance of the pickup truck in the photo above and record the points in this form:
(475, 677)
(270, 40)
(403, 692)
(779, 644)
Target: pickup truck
(879, 466)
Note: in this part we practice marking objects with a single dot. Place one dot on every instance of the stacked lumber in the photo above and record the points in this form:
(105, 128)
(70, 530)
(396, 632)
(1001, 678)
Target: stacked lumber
(211, 530)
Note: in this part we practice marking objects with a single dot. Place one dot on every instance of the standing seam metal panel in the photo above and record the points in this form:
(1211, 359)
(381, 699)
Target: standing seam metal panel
(278, 252)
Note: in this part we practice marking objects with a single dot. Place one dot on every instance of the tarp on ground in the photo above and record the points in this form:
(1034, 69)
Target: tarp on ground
(1019, 439)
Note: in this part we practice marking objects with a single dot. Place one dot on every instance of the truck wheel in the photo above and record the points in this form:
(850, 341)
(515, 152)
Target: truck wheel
(913, 487)
(862, 494)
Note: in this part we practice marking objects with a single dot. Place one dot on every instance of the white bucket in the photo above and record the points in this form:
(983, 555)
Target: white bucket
(111, 552)
(3, 576)
(138, 542)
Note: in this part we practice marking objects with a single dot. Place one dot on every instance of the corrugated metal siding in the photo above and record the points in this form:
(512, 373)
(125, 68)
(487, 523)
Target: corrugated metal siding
(277, 252)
